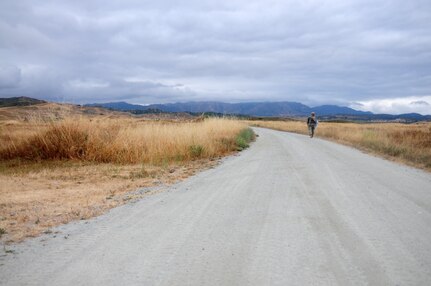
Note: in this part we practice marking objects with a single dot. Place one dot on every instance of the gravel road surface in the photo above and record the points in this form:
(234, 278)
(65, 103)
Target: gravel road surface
(290, 210)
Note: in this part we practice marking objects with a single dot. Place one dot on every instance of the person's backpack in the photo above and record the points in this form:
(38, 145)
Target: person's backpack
(312, 122)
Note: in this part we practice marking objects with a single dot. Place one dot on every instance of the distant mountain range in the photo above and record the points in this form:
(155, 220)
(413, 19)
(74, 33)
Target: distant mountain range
(267, 109)
(285, 108)
(256, 109)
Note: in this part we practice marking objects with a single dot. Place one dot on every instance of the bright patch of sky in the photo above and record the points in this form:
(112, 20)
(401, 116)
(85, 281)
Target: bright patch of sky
(400, 105)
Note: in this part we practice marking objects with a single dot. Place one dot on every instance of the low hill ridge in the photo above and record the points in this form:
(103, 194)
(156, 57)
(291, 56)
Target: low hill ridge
(19, 101)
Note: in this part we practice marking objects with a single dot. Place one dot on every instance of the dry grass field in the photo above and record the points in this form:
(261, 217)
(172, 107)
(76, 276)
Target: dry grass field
(76, 167)
(60, 163)
(53, 111)
(406, 143)
(124, 141)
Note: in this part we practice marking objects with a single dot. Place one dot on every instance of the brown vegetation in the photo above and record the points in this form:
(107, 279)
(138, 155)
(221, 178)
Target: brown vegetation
(56, 111)
(56, 171)
(407, 143)
(124, 141)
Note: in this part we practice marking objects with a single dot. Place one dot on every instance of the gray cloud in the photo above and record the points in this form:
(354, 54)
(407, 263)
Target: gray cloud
(10, 76)
(162, 51)
(419, 102)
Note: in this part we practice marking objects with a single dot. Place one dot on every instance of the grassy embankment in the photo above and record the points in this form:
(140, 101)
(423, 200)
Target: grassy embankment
(52, 173)
(406, 143)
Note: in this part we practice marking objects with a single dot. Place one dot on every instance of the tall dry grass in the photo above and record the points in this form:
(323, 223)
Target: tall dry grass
(122, 140)
(53, 171)
(409, 143)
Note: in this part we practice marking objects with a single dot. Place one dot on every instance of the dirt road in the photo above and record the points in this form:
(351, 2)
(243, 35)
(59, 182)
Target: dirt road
(288, 211)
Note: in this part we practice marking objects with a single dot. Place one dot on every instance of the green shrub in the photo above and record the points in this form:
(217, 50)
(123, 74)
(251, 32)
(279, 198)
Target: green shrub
(241, 143)
(196, 150)
(244, 138)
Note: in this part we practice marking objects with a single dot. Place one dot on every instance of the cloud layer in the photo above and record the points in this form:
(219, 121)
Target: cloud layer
(315, 52)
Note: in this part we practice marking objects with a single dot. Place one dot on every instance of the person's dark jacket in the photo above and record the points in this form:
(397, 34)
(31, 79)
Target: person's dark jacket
(311, 121)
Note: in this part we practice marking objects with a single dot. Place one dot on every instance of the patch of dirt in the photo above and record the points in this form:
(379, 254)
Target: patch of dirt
(35, 198)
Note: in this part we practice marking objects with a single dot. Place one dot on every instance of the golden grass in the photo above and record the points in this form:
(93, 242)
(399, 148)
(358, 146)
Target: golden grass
(125, 141)
(58, 171)
(407, 143)
(55, 111)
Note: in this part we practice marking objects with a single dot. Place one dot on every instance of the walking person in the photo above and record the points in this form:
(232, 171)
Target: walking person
(312, 123)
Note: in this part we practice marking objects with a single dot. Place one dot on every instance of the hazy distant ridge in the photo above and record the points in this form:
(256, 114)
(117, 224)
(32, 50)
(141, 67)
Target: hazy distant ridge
(285, 108)
(275, 109)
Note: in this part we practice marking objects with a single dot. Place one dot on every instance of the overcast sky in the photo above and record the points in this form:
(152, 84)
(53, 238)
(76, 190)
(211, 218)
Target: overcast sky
(370, 55)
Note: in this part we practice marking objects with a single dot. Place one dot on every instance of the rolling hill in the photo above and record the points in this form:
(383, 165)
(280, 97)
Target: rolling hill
(19, 101)
(285, 108)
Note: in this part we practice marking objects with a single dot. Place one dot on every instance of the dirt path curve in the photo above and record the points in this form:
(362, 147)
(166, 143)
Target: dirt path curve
(288, 211)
